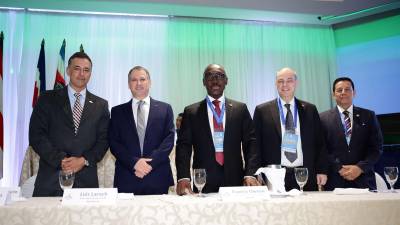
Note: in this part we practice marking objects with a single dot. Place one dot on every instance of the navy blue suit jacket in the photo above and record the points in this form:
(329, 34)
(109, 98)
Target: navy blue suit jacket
(364, 149)
(158, 143)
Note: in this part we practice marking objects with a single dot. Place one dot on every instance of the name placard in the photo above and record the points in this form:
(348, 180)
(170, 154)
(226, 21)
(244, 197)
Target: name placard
(80, 196)
(9, 194)
(245, 192)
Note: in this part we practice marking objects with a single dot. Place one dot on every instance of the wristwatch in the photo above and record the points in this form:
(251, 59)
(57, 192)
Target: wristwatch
(86, 163)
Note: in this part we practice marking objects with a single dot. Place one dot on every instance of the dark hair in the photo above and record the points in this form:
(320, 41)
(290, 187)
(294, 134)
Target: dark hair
(80, 55)
(139, 68)
(342, 79)
(180, 115)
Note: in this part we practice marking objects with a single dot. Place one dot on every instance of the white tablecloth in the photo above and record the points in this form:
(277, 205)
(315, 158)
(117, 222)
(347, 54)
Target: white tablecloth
(319, 208)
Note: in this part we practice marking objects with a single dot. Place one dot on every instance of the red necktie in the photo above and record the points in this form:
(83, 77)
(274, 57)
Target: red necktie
(219, 156)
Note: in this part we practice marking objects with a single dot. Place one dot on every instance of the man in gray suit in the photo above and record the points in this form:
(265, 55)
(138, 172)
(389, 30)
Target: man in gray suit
(68, 130)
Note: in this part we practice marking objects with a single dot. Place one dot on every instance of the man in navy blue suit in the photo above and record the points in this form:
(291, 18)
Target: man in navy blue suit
(141, 136)
(353, 139)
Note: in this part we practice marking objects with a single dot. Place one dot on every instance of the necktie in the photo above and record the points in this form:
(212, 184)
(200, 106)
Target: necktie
(77, 112)
(347, 123)
(289, 127)
(141, 126)
(219, 156)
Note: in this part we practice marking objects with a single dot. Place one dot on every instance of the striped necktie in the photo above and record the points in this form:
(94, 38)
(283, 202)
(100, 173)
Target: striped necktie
(141, 124)
(77, 112)
(347, 123)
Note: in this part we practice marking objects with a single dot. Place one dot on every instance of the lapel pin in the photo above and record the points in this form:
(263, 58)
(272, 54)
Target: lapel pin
(90, 101)
(357, 115)
(230, 104)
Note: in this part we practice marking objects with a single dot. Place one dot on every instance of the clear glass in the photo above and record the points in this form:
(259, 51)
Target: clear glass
(301, 174)
(391, 174)
(66, 179)
(199, 178)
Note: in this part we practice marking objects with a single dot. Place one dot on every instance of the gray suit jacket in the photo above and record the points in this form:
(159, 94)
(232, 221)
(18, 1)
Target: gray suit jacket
(51, 134)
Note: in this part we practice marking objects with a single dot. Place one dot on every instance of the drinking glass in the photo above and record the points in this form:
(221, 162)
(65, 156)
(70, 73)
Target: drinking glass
(66, 179)
(301, 174)
(199, 179)
(391, 174)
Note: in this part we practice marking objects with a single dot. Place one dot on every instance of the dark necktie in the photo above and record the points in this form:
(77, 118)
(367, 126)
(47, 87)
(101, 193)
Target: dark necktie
(289, 127)
(347, 123)
(141, 126)
(77, 112)
(219, 156)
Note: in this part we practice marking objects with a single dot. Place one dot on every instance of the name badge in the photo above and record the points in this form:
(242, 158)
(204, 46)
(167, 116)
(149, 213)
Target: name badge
(218, 141)
(244, 192)
(83, 196)
(289, 142)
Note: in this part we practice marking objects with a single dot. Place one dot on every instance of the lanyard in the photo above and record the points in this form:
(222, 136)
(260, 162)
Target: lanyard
(283, 119)
(219, 119)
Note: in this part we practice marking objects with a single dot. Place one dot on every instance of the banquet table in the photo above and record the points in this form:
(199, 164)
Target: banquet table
(319, 208)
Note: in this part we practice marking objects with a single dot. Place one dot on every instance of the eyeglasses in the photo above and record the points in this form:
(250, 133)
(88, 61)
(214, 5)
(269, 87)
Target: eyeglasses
(215, 76)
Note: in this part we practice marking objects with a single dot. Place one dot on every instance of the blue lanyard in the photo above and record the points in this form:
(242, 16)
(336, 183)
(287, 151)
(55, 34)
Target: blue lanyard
(220, 118)
(283, 119)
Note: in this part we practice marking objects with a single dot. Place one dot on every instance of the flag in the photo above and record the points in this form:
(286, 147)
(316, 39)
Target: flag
(40, 82)
(1, 105)
(59, 82)
(81, 48)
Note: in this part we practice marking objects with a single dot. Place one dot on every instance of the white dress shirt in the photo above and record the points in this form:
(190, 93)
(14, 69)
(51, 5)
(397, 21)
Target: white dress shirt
(146, 109)
(284, 161)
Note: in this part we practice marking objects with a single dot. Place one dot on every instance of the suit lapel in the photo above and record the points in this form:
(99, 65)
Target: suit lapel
(356, 124)
(276, 118)
(129, 117)
(66, 105)
(301, 111)
(89, 107)
(203, 119)
(228, 117)
(153, 109)
(338, 125)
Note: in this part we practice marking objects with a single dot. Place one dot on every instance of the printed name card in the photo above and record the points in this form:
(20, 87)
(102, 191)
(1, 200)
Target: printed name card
(83, 196)
(9, 194)
(245, 192)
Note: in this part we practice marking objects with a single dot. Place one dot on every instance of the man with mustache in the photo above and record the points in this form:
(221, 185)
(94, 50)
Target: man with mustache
(219, 131)
(353, 138)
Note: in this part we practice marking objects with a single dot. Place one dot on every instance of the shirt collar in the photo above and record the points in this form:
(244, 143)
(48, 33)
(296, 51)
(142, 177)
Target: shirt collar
(220, 99)
(350, 109)
(283, 102)
(72, 91)
(146, 100)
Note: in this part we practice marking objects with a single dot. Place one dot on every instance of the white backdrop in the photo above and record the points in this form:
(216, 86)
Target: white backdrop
(175, 51)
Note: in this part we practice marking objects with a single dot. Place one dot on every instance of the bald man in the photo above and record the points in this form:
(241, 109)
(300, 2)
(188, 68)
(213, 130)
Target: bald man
(289, 133)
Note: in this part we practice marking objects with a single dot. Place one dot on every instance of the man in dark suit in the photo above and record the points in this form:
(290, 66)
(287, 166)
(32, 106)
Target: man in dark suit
(289, 134)
(68, 130)
(141, 138)
(353, 139)
(219, 130)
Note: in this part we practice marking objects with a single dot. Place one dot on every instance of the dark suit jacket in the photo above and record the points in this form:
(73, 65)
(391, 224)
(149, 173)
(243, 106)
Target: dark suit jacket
(158, 143)
(239, 137)
(269, 138)
(364, 150)
(51, 134)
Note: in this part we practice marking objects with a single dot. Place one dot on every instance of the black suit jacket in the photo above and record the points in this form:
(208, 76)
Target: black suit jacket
(158, 143)
(51, 134)
(269, 138)
(239, 138)
(364, 149)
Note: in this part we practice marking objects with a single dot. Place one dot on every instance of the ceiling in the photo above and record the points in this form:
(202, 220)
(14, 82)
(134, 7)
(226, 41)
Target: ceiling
(318, 12)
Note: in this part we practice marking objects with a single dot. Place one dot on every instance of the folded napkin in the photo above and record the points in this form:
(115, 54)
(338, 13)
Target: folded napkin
(350, 191)
(276, 178)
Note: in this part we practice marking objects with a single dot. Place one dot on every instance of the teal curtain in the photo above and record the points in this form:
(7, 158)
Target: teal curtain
(175, 50)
